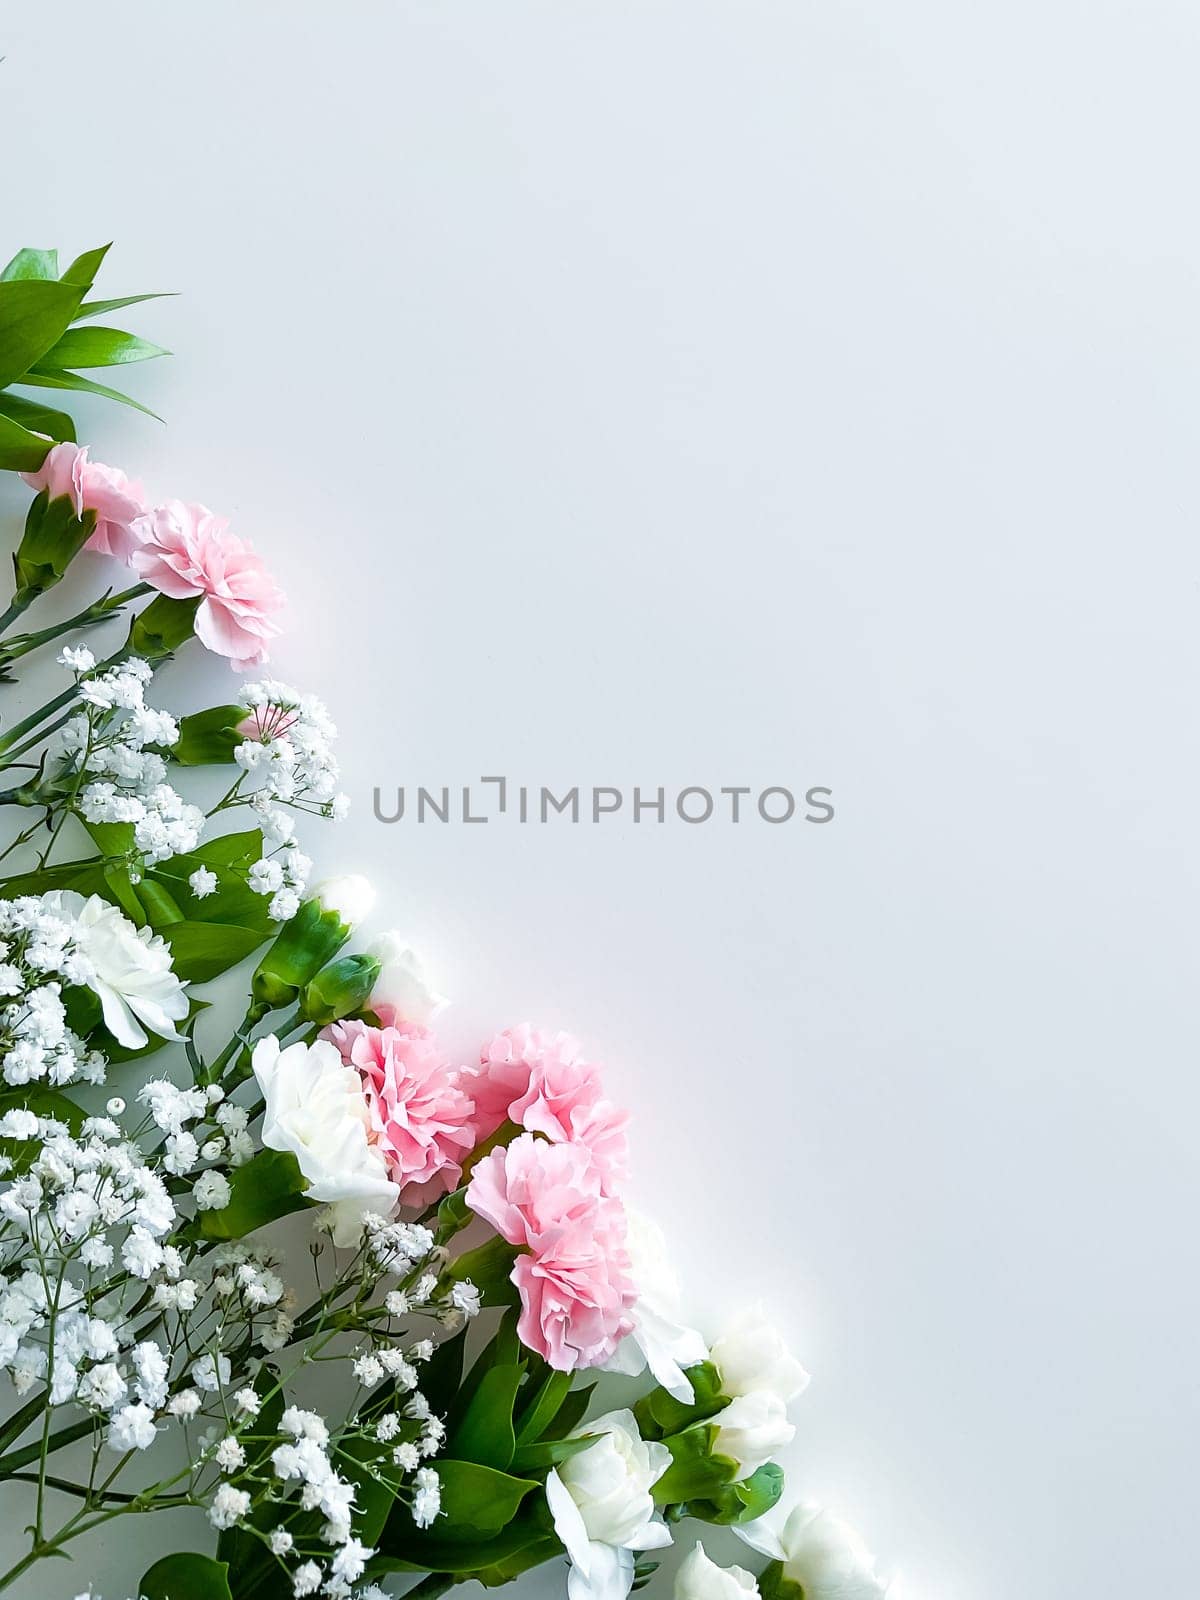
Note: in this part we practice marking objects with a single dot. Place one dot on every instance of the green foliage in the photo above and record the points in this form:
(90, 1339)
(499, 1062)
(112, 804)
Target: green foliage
(270, 1185)
(186, 1576)
(207, 936)
(742, 1501)
(42, 346)
(659, 1413)
(302, 947)
(208, 738)
(486, 1433)
(695, 1472)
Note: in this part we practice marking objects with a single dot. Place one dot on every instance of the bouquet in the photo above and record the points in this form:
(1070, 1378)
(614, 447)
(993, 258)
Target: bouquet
(399, 1381)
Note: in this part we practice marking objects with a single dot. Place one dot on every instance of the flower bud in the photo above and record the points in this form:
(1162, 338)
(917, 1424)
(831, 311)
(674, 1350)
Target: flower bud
(752, 1356)
(352, 897)
(824, 1559)
(308, 941)
(402, 990)
(55, 532)
(751, 1430)
(700, 1578)
(339, 990)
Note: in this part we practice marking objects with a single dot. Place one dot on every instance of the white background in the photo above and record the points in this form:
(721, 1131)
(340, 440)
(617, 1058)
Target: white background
(744, 393)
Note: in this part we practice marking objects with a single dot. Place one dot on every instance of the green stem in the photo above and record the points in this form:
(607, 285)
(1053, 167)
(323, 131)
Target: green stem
(52, 707)
(98, 611)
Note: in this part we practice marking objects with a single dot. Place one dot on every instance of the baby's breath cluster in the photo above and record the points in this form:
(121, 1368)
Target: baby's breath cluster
(111, 760)
(286, 756)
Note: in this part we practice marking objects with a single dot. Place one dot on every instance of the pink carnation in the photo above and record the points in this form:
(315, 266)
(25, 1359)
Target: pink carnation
(185, 551)
(91, 486)
(540, 1083)
(421, 1120)
(573, 1273)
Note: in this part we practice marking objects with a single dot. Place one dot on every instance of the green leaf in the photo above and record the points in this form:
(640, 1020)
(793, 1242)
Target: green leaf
(39, 418)
(489, 1267)
(99, 347)
(659, 1413)
(570, 1414)
(36, 378)
(695, 1473)
(186, 1577)
(161, 907)
(543, 1407)
(100, 308)
(405, 1548)
(85, 877)
(84, 268)
(20, 450)
(208, 737)
(270, 1185)
(547, 1453)
(201, 951)
(119, 889)
(34, 313)
(477, 1501)
(486, 1432)
(31, 264)
(241, 849)
(441, 1375)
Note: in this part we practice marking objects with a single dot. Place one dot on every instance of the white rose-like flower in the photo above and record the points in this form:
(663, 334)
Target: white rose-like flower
(700, 1578)
(315, 1109)
(828, 1559)
(752, 1429)
(752, 1355)
(402, 983)
(603, 1508)
(658, 1341)
(352, 897)
(130, 969)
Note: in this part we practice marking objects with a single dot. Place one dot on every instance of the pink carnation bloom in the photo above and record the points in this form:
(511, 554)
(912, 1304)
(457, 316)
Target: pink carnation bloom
(540, 1083)
(420, 1119)
(573, 1274)
(185, 551)
(91, 486)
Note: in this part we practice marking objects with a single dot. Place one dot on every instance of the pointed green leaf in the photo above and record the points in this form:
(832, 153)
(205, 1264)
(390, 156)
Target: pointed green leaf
(100, 308)
(486, 1433)
(20, 449)
(477, 1501)
(99, 347)
(84, 268)
(201, 951)
(269, 1186)
(37, 417)
(185, 1576)
(544, 1406)
(36, 378)
(31, 264)
(34, 314)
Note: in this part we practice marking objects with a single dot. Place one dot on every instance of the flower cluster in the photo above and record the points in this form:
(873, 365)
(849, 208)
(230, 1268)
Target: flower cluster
(330, 1434)
(286, 756)
(110, 759)
(60, 942)
(184, 551)
(552, 1193)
